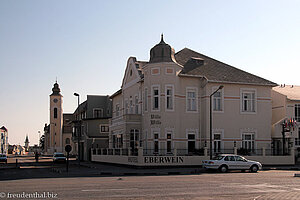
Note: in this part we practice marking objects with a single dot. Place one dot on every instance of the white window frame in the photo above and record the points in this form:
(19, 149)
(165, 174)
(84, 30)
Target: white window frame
(126, 105)
(154, 68)
(173, 73)
(191, 89)
(117, 110)
(297, 107)
(131, 105)
(146, 99)
(103, 125)
(221, 132)
(169, 96)
(152, 98)
(169, 131)
(221, 98)
(253, 100)
(243, 141)
(136, 104)
(101, 112)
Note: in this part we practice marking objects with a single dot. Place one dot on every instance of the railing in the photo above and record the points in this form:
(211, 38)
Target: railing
(188, 152)
(161, 152)
(277, 152)
(250, 152)
(118, 152)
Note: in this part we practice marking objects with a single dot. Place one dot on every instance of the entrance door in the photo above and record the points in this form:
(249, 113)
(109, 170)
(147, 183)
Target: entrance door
(217, 143)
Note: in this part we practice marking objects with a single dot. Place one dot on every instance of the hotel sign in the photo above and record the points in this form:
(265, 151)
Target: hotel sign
(163, 159)
(155, 119)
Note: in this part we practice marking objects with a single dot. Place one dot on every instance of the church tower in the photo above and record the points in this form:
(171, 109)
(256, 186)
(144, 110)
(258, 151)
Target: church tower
(56, 120)
(26, 143)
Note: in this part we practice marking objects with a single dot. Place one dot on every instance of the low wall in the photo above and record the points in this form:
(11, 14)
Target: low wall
(183, 160)
(273, 160)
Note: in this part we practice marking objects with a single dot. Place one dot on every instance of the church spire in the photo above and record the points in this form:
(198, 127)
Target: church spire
(56, 89)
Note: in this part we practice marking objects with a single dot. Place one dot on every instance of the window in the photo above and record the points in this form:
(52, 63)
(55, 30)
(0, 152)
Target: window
(155, 98)
(191, 142)
(134, 138)
(55, 113)
(117, 110)
(118, 141)
(191, 100)
(169, 97)
(297, 112)
(169, 142)
(156, 143)
(248, 141)
(217, 101)
(146, 99)
(67, 140)
(131, 105)
(126, 107)
(248, 101)
(217, 142)
(98, 112)
(104, 128)
(136, 101)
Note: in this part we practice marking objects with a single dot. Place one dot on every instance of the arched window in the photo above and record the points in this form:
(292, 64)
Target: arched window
(55, 113)
(67, 140)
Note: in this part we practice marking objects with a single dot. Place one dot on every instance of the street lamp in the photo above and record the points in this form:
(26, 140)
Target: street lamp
(78, 129)
(210, 119)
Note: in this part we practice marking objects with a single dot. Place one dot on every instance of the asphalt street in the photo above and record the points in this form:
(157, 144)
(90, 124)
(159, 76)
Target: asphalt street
(41, 181)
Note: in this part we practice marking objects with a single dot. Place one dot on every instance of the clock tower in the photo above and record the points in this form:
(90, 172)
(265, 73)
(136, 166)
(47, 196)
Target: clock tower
(56, 120)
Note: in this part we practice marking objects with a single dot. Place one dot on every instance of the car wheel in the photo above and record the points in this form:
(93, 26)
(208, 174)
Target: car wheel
(254, 168)
(223, 169)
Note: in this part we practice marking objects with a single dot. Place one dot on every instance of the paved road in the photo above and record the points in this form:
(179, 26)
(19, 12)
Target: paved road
(273, 184)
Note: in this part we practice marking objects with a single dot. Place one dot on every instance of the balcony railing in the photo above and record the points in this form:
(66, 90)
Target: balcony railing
(189, 152)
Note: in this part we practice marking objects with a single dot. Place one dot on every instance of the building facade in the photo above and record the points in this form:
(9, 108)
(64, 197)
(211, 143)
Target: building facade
(92, 116)
(163, 106)
(3, 140)
(286, 118)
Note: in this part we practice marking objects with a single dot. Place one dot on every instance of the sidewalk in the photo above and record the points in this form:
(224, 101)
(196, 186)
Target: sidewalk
(100, 169)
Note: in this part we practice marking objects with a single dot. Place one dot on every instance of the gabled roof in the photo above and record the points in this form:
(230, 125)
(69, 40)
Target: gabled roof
(197, 64)
(3, 128)
(292, 92)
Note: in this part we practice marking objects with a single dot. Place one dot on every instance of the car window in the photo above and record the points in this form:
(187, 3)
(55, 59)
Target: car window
(239, 158)
(218, 158)
(229, 158)
(59, 155)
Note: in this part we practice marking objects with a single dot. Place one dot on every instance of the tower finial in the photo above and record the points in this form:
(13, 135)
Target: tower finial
(56, 80)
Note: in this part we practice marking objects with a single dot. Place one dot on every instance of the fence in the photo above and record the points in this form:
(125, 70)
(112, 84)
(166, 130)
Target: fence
(188, 152)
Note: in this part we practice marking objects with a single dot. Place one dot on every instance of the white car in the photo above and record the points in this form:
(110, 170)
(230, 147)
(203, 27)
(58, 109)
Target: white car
(225, 162)
(59, 157)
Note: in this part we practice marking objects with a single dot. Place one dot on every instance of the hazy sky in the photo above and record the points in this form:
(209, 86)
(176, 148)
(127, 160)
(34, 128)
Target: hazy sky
(86, 44)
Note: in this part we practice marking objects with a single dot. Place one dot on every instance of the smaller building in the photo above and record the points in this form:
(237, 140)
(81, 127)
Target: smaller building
(286, 112)
(91, 124)
(3, 140)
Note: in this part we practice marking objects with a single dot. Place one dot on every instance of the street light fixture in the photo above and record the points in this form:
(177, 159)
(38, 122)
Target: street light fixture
(210, 120)
(78, 129)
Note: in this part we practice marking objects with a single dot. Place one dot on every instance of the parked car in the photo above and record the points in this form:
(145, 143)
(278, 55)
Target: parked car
(225, 162)
(3, 158)
(59, 157)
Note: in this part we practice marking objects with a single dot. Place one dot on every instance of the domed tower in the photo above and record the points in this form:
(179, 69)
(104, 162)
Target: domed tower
(162, 52)
(56, 117)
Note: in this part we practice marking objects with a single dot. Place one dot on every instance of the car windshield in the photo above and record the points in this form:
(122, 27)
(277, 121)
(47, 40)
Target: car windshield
(59, 155)
(218, 157)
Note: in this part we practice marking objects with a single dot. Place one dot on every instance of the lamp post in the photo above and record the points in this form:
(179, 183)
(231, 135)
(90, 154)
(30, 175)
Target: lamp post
(210, 119)
(78, 129)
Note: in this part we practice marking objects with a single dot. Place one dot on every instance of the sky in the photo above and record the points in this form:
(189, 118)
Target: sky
(86, 45)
